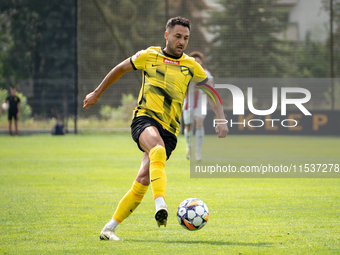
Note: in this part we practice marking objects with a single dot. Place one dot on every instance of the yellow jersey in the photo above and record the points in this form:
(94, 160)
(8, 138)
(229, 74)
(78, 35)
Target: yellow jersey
(164, 85)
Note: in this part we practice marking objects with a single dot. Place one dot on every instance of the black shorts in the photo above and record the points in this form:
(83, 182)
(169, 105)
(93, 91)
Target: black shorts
(140, 123)
(12, 114)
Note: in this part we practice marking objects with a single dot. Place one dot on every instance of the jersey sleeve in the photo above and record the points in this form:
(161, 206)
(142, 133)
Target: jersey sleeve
(200, 77)
(210, 77)
(139, 59)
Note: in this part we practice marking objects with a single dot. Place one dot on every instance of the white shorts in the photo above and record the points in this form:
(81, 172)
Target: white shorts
(188, 115)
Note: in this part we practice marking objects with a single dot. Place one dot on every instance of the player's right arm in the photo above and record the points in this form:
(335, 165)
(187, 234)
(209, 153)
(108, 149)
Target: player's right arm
(110, 78)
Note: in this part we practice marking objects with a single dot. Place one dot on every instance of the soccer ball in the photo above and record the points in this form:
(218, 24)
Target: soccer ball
(5, 106)
(192, 214)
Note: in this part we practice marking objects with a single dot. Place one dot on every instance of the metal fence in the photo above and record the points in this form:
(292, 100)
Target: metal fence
(71, 45)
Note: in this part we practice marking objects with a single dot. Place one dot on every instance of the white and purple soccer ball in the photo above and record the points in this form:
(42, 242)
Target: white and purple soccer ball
(192, 214)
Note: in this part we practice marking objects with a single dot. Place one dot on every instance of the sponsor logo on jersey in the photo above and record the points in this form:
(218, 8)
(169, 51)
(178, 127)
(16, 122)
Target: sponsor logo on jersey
(168, 61)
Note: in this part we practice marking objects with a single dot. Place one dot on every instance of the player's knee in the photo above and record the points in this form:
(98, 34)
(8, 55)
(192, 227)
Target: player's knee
(157, 154)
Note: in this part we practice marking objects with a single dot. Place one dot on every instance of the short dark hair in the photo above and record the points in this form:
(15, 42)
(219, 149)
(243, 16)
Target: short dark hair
(178, 21)
(196, 54)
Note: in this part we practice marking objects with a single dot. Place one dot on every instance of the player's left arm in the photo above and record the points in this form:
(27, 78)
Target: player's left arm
(204, 83)
(216, 105)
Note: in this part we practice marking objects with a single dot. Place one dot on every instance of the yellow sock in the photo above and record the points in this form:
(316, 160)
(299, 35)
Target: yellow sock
(157, 157)
(130, 201)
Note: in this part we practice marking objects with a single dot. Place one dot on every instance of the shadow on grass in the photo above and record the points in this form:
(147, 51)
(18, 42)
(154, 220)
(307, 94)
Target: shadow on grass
(200, 242)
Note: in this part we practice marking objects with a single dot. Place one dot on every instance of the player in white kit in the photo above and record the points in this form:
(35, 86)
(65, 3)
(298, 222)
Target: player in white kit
(192, 112)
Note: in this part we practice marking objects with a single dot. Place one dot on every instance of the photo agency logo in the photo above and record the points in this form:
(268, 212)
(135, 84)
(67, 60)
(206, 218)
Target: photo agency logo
(268, 106)
(239, 102)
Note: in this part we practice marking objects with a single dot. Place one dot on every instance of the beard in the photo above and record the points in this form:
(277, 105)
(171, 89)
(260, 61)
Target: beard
(173, 50)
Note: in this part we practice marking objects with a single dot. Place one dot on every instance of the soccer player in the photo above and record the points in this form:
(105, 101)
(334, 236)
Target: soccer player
(13, 110)
(192, 108)
(167, 73)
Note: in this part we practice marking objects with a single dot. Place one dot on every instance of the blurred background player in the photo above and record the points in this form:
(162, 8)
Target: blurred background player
(192, 112)
(13, 109)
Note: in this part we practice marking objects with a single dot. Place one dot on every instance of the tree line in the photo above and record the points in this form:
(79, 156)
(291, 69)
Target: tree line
(38, 42)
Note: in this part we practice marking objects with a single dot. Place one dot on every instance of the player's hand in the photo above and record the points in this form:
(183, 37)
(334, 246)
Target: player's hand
(18, 115)
(221, 130)
(90, 99)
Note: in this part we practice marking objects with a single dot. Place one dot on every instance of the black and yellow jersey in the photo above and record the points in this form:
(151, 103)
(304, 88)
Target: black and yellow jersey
(164, 86)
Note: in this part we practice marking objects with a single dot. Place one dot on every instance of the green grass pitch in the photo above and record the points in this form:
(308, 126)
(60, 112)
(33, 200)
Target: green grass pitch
(57, 192)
